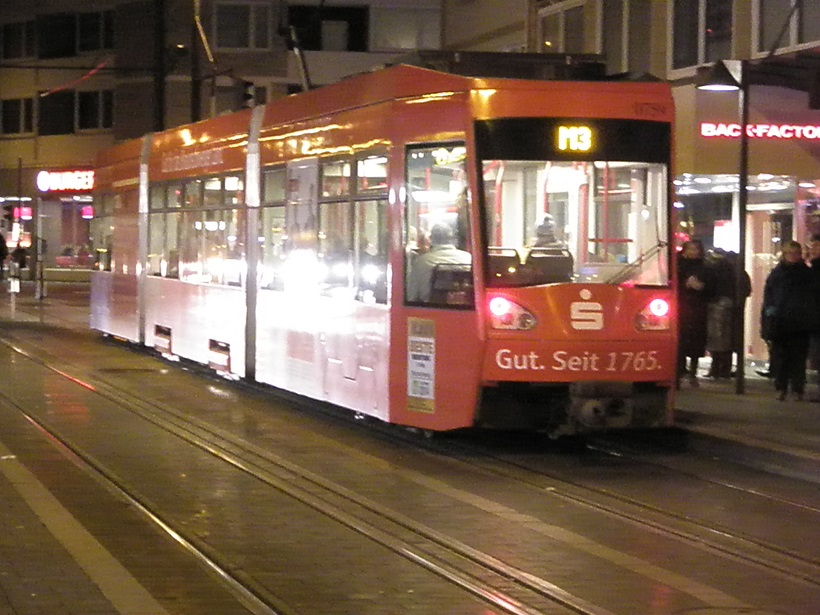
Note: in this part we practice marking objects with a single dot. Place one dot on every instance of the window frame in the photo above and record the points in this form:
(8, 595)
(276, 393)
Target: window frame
(701, 50)
(253, 34)
(561, 9)
(791, 38)
(25, 116)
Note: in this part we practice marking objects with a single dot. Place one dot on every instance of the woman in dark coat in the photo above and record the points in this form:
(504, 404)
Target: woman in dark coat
(789, 317)
(693, 296)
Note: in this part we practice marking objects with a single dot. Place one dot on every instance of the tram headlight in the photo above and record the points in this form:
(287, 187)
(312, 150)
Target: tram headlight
(506, 314)
(654, 317)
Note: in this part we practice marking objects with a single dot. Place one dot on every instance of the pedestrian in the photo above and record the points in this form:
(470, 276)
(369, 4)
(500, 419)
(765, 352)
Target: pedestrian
(694, 290)
(20, 255)
(4, 255)
(719, 327)
(725, 308)
(789, 317)
(814, 342)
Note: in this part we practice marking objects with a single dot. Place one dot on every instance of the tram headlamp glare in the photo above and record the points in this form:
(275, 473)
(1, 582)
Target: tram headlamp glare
(506, 314)
(654, 317)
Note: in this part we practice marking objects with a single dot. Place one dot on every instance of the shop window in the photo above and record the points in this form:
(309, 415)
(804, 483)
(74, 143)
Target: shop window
(701, 31)
(242, 26)
(17, 40)
(16, 116)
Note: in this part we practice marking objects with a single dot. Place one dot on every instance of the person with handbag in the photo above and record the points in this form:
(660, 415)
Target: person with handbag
(694, 292)
(789, 317)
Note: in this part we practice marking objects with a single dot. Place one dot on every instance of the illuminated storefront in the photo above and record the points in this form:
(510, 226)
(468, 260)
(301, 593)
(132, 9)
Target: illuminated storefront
(65, 210)
(783, 185)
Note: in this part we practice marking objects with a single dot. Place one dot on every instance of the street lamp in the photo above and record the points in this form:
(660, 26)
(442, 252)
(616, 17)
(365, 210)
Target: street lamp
(725, 76)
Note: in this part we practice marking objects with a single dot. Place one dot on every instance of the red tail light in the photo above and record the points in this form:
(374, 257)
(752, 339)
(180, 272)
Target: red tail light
(506, 314)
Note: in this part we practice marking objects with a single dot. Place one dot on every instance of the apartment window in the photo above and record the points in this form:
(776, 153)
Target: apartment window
(56, 36)
(95, 110)
(562, 27)
(56, 114)
(404, 28)
(95, 31)
(803, 26)
(702, 31)
(16, 116)
(243, 26)
(17, 40)
(331, 28)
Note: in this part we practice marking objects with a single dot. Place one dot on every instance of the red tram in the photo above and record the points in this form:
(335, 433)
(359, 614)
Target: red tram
(434, 250)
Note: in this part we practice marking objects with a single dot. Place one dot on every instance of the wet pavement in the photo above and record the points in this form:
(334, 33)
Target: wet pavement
(52, 574)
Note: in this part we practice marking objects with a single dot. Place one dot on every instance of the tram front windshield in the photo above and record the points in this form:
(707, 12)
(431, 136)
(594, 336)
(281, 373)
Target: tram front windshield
(579, 221)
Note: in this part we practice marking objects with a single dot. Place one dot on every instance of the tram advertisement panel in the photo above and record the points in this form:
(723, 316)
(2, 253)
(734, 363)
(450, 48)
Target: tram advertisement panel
(421, 365)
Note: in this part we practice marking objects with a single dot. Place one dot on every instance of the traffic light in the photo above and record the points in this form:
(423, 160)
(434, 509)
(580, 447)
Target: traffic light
(246, 94)
(8, 214)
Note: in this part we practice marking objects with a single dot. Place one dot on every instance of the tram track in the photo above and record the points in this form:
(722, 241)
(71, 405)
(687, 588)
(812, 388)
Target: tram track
(502, 586)
(476, 572)
(721, 539)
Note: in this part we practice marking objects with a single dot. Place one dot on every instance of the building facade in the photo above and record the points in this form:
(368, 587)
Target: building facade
(77, 76)
(675, 40)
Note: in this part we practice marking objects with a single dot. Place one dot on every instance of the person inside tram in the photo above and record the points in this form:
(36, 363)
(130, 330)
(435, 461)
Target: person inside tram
(442, 252)
(549, 257)
(545, 234)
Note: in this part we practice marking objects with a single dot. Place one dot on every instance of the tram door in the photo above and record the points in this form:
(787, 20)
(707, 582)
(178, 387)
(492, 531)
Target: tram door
(442, 355)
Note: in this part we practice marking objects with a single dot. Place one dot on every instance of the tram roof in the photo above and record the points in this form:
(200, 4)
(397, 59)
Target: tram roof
(424, 72)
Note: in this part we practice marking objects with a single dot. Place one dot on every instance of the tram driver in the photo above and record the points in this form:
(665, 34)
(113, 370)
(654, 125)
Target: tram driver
(443, 251)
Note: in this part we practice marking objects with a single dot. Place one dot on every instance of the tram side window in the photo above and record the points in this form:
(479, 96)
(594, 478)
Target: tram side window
(335, 179)
(204, 243)
(156, 243)
(372, 256)
(336, 247)
(190, 266)
(438, 251)
(101, 230)
(272, 227)
(272, 247)
(170, 252)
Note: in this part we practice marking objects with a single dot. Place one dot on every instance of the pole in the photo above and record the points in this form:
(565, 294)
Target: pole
(196, 72)
(39, 264)
(740, 299)
(159, 65)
